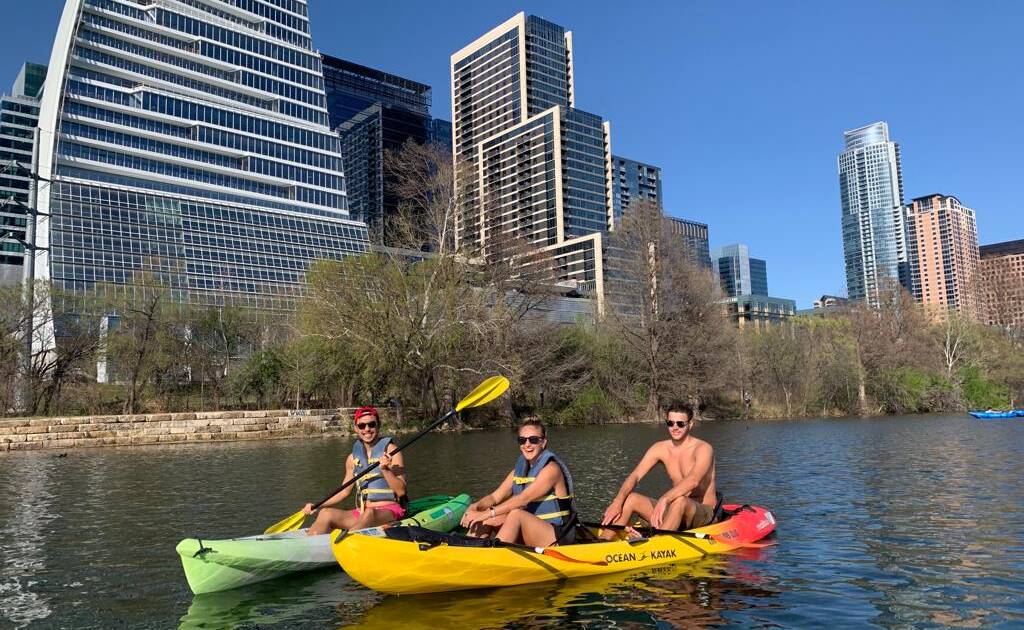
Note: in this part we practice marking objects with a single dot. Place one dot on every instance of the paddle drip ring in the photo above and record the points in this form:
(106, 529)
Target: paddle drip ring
(202, 550)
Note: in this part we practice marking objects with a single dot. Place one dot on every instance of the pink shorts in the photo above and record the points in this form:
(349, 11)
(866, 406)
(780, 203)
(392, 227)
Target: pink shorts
(396, 510)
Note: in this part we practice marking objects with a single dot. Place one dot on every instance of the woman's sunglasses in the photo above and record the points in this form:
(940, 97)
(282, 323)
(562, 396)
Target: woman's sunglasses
(679, 423)
(532, 439)
(372, 424)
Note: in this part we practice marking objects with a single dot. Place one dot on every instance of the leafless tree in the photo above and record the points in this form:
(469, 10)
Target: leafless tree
(666, 311)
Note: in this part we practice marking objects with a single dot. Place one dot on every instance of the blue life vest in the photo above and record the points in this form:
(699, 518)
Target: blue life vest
(552, 508)
(373, 486)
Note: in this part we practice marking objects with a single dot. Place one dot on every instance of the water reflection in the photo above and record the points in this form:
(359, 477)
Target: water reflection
(295, 602)
(22, 537)
(892, 522)
(693, 595)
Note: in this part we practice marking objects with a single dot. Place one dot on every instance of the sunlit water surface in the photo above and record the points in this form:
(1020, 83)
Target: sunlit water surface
(892, 522)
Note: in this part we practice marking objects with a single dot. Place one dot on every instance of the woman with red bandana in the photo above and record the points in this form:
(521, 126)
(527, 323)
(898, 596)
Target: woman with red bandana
(380, 494)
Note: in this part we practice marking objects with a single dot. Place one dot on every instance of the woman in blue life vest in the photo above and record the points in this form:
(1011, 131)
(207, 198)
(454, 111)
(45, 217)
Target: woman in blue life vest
(380, 494)
(535, 504)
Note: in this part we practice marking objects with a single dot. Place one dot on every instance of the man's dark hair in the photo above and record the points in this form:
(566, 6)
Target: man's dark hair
(680, 407)
(533, 422)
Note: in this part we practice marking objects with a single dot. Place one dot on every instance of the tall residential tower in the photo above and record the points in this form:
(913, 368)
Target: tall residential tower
(633, 181)
(188, 144)
(943, 239)
(539, 168)
(871, 192)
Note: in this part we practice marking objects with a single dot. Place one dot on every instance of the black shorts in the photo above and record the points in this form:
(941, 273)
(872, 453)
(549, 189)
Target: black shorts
(565, 532)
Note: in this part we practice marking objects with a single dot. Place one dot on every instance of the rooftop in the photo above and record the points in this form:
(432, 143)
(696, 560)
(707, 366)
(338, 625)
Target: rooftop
(1002, 249)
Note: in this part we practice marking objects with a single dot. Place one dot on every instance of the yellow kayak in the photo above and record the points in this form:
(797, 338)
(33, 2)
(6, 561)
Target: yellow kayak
(402, 567)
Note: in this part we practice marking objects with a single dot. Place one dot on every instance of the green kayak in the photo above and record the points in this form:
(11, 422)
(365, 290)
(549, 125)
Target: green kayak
(219, 565)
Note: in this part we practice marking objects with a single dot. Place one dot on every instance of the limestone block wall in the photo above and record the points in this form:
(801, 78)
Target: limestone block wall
(21, 434)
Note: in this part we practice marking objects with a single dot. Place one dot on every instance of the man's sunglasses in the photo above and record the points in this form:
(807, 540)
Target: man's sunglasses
(532, 439)
(682, 424)
(372, 424)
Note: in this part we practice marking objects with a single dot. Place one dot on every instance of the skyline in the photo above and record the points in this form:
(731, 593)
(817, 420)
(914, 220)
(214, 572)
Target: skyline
(758, 112)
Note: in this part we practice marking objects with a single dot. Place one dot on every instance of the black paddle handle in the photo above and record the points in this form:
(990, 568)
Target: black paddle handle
(351, 481)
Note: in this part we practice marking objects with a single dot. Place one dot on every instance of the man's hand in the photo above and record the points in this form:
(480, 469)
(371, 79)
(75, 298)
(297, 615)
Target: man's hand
(659, 512)
(385, 462)
(308, 509)
(472, 517)
(613, 512)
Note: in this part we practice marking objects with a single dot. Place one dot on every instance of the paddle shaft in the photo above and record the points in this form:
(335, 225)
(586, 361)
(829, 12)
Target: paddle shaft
(351, 481)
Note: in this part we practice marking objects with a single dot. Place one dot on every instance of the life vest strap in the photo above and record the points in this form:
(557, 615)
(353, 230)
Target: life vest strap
(551, 515)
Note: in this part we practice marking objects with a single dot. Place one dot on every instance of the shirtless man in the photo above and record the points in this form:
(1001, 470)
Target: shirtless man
(690, 464)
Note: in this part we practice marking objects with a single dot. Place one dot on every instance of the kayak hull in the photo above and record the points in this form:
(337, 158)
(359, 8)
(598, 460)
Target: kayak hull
(219, 565)
(404, 568)
(996, 415)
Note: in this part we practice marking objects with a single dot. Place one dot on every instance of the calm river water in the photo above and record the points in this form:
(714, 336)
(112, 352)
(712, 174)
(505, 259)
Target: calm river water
(892, 522)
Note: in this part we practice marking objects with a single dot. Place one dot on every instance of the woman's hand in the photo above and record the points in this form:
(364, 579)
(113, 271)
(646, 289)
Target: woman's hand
(308, 509)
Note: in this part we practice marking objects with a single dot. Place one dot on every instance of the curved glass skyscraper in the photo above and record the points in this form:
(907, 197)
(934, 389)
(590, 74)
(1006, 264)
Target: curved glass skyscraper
(188, 142)
(871, 190)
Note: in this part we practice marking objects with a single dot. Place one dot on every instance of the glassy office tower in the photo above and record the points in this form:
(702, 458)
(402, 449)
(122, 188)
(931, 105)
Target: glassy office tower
(541, 168)
(871, 191)
(739, 273)
(439, 132)
(942, 235)
(744, 282)
(188, 143)
(19, 116)
(373, 112)
(632, 180)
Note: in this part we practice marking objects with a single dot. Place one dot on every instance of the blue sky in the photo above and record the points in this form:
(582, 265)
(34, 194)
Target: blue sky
(742, 104)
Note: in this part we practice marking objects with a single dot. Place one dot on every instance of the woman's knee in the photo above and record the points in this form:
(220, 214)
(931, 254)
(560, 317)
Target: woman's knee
(515, 516)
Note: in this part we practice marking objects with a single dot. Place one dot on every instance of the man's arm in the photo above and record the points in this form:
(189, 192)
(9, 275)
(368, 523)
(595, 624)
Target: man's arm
(704, 458)
(392, 468)
(647, 462)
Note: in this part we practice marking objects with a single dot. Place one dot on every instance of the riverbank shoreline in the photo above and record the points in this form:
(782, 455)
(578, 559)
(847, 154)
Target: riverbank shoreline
(53, 433)
(29, 434)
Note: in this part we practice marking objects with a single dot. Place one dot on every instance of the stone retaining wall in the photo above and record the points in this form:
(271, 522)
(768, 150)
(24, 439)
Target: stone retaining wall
(23, 434)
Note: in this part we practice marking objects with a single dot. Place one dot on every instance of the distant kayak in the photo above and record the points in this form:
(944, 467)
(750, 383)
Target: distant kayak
(995, 415)
(219, 565)
(407, 561)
